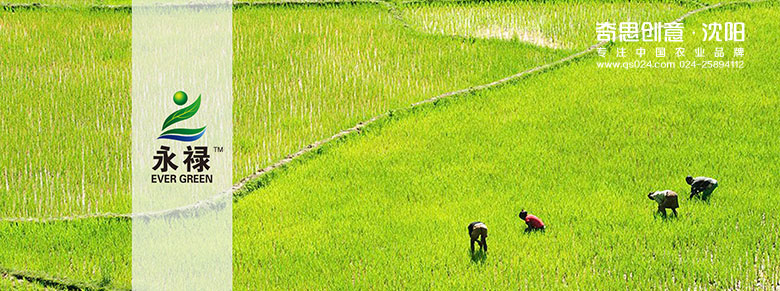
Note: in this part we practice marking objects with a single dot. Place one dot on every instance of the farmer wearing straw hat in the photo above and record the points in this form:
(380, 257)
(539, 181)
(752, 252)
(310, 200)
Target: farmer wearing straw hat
(665, 199)
(704, 185)
(478, 233)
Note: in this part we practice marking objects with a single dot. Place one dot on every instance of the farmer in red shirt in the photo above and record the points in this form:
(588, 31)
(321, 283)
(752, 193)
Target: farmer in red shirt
(533, 222)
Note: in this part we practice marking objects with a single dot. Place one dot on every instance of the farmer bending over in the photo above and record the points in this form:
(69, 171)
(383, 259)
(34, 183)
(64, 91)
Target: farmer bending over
(478, 233)
(533, 222)
(704, 185)
(665, 199)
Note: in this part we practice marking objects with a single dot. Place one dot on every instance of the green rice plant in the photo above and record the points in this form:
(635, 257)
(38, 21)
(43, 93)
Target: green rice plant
(66, 4)
(558, 24)
(348, 64)
(52, 48)
(65, 107)
(67, 74)
(579, 146)
(110, 4)
(351, 63)
(92, 252)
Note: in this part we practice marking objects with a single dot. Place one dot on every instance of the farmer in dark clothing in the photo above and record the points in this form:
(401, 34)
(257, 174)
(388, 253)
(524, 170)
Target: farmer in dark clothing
(533, 222)
(704, 185)
(665, 199)
(478, 233)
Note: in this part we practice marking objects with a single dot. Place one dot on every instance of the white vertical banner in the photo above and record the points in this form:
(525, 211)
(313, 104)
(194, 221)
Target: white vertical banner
(182, 145)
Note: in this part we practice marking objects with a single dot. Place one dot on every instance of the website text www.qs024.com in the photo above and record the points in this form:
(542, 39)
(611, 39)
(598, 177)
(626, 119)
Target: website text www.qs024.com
(647, 64)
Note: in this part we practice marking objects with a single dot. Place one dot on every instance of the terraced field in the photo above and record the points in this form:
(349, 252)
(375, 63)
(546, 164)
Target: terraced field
(384, 208)
(579, 147)
(343, 77)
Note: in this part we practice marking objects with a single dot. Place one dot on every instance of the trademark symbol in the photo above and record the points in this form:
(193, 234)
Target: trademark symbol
(218, 149)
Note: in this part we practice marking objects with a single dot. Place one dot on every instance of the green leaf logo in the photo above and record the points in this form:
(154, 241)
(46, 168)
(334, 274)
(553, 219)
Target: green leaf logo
(182, 114)
(185, 131)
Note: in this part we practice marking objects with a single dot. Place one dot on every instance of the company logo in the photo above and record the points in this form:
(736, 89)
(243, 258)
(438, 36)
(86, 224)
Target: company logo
(196, 158)
(182, 134)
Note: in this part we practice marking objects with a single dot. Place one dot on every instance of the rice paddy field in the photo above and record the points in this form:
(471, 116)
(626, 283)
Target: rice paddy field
(386, 208)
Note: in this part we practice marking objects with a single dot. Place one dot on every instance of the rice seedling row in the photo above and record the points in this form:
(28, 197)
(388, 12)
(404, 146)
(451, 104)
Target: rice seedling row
(391, 205)
(370, 72)
(393, 149)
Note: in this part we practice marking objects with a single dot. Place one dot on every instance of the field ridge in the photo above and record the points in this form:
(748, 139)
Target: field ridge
(239, 188)
(53, 282)
(253, 179)
(243, 186)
